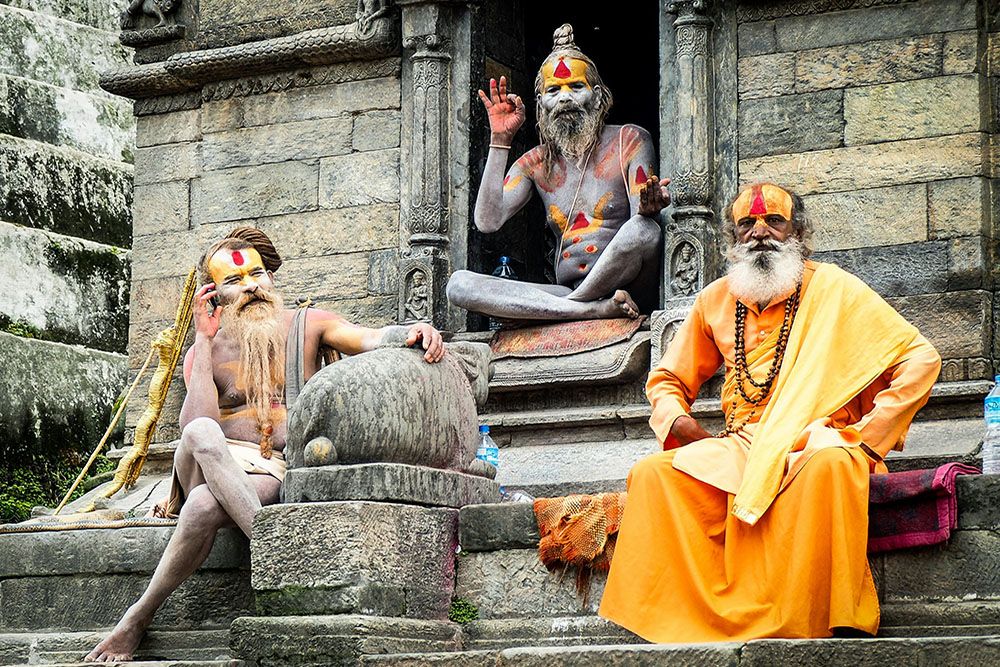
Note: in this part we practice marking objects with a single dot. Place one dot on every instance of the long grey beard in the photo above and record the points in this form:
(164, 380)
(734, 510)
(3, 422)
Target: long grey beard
(761, 276)
(260, 334)
(573, 134)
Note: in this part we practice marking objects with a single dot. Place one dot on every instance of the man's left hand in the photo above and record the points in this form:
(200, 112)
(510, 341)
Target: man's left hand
(653, 196)
(431, 337)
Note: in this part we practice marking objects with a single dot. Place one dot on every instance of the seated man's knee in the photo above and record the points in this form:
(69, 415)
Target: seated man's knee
(649, 467)
(459, 286)
(202, 436)
(831, 460)
(202, 509)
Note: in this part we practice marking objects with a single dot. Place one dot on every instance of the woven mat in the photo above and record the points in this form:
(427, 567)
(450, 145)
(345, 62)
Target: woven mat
(563, 338)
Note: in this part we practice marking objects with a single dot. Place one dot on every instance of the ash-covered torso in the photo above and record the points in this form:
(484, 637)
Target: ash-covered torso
(588, 202)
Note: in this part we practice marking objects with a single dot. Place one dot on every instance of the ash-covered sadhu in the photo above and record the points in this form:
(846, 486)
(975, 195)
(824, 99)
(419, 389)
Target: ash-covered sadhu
(600, 193)
(761, 530)
(230, 462)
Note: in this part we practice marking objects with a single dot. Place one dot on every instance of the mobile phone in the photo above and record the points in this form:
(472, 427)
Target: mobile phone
(214, 302)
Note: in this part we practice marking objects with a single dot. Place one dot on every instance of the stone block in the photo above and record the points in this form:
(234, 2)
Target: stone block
(332, 231)
(957, 207)
(968, 263)
(359, 179)
(892, 163)
(513, 583)
(868, 63)
(912, 109)
(277, 143)
(766, 75)
(170, 254)
(820, 30)
(451, 659)
(39, 412)
(501, 633)
(44, 48)
(228, 22)
(378, 558)
(497, 526)
(168, 128)
(329, 277)
(388, 482)
(90, 602)
(247, 192)
(871, 652)
(373, 311)
(690, 655)
(91, 123)
(756, 38)
(383, 272)
(978, 502)
(161, 208)
(167, 162)
(64, 191)
(875, 217)
(956, 323)
(336, 641)
(791, 123)
(966, 566)
(960, 53)
(69, 290)
(102, 14)
(375, 130)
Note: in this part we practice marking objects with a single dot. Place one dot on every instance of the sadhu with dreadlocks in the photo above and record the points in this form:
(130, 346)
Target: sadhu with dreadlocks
(229, 462)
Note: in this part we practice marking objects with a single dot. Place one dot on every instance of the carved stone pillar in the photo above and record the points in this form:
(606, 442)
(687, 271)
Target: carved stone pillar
(428, 207)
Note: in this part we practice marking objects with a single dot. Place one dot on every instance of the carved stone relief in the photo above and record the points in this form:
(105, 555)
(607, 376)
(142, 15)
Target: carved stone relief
(663, 325)
(417, 303)
(138, 14)
(685, 267)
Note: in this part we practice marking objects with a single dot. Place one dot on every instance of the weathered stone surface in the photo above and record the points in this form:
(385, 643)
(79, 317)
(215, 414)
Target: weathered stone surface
(332, 231)
(91, 123)
(868, 63)
(359, 179)
(497, 526)
(873, 217)
(167, 162)
(65, 191)
(961, 53)
(102, 14)
(301, 104)
(912, 109)
(452, 659)
(892, 163)
(68, 290)
(798, 33)
(44, 48)
(966, 566)
(327, 277)
(39, 413)
(247, 192)
(368, 557)
(514, 582)
(383, 272)
(955, 322)
(161, 208)
(336, 641)
(388, 482)
(979, 502)
(689, 655)
(88, 602)
(277, 143)
(373, 311)
(871, 652)
(791, 123)
(389, 405)
(168, 128)
(501, 633)
(957, 207)
(530, 466)
(375, 130)
(228, 22)
(766, 76)
(110, 551)
(756, 38)
(184, 646)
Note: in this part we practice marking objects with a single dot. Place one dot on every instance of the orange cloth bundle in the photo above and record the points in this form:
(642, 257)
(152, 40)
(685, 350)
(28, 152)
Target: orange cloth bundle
(579, 531)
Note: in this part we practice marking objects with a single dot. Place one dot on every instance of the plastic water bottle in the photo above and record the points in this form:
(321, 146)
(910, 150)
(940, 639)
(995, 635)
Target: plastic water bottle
(514, 496)
(488, 450)
(991, 443)
(503, 270)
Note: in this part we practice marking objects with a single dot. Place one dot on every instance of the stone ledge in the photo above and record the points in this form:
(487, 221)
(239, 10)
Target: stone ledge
(388, 482)
(69, 647)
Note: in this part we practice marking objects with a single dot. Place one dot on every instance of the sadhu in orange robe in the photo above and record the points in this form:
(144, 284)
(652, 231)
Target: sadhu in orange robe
(762, 533)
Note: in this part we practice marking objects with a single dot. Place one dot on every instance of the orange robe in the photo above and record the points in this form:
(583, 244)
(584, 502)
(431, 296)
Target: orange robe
(686, 569)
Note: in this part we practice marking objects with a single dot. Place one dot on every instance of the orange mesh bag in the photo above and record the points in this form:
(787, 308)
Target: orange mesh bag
(579, 531)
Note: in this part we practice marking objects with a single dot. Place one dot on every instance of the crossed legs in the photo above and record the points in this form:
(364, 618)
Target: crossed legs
(218, 493)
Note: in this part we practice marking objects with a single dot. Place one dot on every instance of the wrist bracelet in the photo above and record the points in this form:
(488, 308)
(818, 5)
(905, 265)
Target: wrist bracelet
(499, 146)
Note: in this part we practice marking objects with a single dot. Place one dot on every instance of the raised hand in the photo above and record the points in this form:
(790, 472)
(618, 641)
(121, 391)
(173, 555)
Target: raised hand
(505, 110)
(206, 323)
(653, 196)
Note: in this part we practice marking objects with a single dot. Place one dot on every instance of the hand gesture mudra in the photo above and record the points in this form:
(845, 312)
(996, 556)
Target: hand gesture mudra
(506, 111)
(653, 196)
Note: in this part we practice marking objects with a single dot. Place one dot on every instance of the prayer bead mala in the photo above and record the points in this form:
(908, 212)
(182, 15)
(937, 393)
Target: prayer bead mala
(742, 369)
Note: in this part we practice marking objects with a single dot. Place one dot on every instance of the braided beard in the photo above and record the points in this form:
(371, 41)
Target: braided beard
(762, 276)
(256, 324)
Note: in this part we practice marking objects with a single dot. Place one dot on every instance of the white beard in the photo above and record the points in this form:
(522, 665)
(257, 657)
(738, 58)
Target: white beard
(761, 276)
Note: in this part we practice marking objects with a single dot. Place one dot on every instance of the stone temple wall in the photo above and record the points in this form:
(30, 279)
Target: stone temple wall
(66, 150)
(880, 116)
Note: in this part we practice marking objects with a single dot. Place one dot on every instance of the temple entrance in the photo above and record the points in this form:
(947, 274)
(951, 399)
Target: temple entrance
(516, 39)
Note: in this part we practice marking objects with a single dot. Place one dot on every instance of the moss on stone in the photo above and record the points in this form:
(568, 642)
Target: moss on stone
(462, 611)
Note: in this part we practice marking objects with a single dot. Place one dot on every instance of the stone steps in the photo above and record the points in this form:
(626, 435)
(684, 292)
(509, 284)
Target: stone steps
(46, 648)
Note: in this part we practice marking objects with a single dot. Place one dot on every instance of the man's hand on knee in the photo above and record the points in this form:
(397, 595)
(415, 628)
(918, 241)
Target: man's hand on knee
(687, 429)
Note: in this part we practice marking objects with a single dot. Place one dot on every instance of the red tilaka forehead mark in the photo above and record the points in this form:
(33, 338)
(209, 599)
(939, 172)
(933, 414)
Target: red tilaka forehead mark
(562, 72)
(758, 207)
(238, 258)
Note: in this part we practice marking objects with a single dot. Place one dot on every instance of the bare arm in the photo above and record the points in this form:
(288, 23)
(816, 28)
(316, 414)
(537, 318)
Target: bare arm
(349, 338)
(499, 198)
(647, 193)
(202, 398)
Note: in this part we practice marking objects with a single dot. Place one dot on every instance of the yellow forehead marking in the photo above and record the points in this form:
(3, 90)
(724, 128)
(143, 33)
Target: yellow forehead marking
(226, 262)
(759, 201)
(563, 72)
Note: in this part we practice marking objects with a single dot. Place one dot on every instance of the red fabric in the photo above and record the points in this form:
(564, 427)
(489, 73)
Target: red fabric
(914, 508)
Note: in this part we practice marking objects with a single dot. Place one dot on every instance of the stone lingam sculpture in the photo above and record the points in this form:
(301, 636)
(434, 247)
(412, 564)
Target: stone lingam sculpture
(384, 425)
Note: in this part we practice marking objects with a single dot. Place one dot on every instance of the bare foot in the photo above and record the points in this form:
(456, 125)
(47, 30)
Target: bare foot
(121, 644)
(626, 304)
